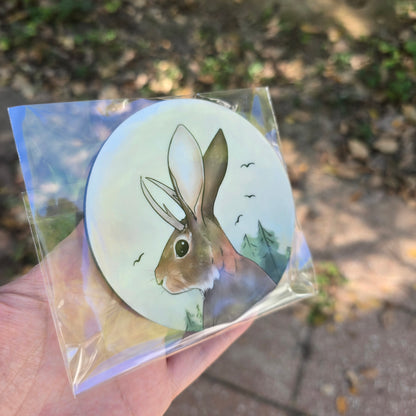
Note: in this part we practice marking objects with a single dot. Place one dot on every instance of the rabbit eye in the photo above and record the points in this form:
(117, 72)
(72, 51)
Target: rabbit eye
(181, 248)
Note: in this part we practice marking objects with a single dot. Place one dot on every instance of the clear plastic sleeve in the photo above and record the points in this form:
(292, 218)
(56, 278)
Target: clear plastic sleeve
(101, 335)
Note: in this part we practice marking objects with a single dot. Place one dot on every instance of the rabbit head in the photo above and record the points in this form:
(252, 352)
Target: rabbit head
(197, 250)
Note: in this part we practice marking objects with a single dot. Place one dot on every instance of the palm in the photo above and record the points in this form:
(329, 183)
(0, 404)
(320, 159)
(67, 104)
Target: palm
(33, 379)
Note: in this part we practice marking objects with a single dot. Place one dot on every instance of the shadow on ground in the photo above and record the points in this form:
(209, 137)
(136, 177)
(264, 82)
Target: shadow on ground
(342, 77)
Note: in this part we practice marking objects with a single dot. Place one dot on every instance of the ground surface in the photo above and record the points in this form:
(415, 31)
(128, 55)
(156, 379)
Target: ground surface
(357, 359)
(342, 78)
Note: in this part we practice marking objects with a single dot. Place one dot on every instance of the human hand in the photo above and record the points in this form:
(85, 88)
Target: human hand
(33, 379)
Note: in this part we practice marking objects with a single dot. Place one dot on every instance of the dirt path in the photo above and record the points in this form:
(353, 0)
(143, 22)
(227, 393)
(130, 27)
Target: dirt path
(344, 89)
(356, 361)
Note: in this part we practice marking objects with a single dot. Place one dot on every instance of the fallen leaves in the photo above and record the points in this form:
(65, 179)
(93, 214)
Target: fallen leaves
(293, 70)
(409, 112)
(358, 149)
(353, 382)
(341, 403)
(411, 253)
(356, 195)
(164, 49)
(355, 379)
(381, 144)
(166, 78)
(370, 373)
(387, 145)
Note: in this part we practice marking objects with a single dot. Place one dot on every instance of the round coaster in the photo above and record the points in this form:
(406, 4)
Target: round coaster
(189, 214)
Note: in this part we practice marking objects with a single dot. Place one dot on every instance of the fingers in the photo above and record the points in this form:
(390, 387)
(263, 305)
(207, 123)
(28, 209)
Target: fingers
(29, 286)
(72, 280)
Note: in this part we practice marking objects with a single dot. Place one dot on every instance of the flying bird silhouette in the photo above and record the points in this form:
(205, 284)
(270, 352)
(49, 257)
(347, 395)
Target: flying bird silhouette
(250, 196)
(238, 219)
(246, 165)
(137, 260)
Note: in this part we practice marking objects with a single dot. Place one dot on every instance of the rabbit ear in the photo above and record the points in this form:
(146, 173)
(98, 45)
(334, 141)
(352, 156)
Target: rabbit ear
(186, 170)
(215, 166)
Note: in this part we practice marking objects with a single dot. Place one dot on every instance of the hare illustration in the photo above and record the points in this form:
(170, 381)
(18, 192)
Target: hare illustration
(198, 254)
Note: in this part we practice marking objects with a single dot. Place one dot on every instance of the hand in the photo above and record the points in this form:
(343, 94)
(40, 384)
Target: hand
(33, 379)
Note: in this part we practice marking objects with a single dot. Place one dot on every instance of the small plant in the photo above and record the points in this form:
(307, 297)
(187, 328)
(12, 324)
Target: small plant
(96, 37)
(364, 131)
(342, 60)
(255, 69)
(221, 67)
(410, 47)
(322, 306)
(388, 70)
(112, 6)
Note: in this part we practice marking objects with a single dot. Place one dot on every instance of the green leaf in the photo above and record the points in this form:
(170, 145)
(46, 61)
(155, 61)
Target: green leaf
(112, 6)
(410, 47)
(255, 69)
(385, 47)
(4, 44)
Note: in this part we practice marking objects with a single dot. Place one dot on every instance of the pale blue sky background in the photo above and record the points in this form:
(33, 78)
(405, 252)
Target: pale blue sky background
(121, 224)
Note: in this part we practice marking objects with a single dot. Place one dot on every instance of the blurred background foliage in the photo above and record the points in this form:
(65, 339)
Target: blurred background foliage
(81, 49)
(342, 75)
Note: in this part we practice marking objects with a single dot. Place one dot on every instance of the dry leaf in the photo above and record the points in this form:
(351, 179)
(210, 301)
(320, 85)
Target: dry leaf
(373, 113)
(352, 379)
(342, 405)
(358, 149)
(356, 196)
(141, 80)
(387, 145)
(398, 122)
(369, 373)
(312, 29)
(343, 127)
(409, 112)
(411, 253)
(334, 35)
(327, 389)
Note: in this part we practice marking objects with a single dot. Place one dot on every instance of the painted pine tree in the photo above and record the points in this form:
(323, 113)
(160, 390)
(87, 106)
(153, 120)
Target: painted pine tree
(249, 247)
(193, 321)
(269, 253)
(264, 250)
